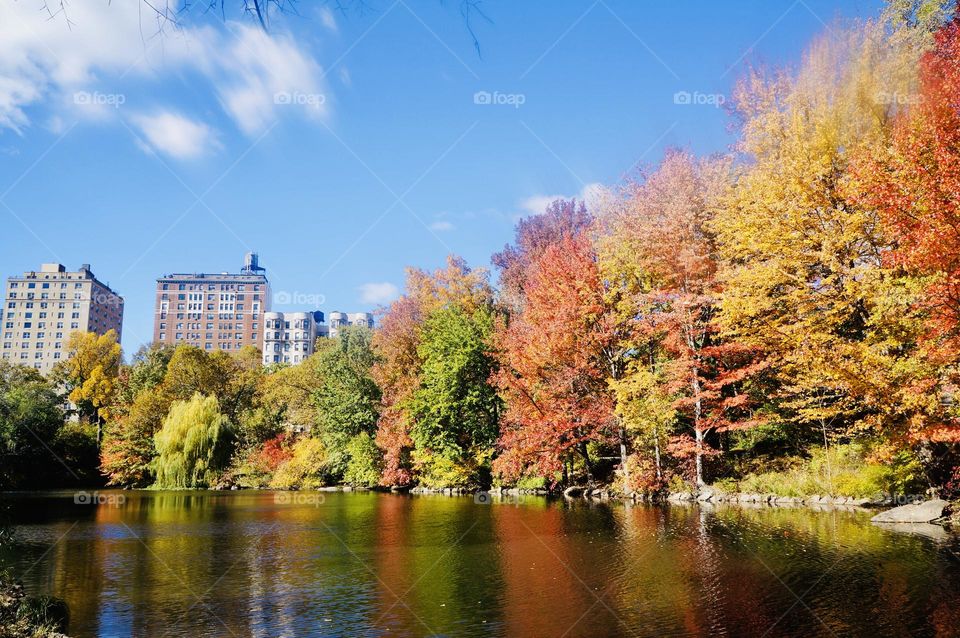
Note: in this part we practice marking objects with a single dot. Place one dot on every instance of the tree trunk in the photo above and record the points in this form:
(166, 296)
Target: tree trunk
(697, 430)
(623, 459)
(656, 451)
(586, 461)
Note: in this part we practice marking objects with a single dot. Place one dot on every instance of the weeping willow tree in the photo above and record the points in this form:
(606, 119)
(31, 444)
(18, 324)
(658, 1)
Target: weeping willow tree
(189, 443)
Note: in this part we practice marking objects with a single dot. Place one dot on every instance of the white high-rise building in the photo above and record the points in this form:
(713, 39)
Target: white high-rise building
(291, 337)
(340, 319)
(43, 307)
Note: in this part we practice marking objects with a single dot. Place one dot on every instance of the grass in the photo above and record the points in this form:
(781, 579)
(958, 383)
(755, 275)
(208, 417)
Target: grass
(843, 470)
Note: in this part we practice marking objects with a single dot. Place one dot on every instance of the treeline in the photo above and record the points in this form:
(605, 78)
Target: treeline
(784, 318)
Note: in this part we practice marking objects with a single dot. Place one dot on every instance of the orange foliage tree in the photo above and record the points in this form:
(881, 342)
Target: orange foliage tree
(552, 376)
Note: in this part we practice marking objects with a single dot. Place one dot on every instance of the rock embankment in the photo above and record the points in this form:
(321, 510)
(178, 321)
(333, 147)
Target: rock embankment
(712, 496)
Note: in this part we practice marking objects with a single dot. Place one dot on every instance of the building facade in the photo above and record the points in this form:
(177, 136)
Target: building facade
(341, 319)
(43, 307)
(291, 337)
(213, 311)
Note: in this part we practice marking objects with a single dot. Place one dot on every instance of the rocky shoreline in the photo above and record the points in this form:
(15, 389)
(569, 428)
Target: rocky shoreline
(894, 510)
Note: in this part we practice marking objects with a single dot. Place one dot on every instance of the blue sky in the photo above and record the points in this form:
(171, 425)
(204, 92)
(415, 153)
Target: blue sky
(344, 148)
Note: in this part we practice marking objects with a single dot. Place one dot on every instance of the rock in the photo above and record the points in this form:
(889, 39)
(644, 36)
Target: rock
(574, 491)
(706, 495)
(859, 502)
(914, 513)
(680, 497)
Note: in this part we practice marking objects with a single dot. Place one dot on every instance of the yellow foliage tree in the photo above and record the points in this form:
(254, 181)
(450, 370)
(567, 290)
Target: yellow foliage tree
(802, 273)
(90, 372)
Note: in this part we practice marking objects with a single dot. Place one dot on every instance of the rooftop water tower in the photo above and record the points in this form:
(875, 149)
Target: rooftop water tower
(251, 265)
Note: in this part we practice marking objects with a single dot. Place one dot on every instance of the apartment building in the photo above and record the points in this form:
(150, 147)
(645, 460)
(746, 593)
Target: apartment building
(340, 319)
(222, 311)
(43, 307)
(291, 337)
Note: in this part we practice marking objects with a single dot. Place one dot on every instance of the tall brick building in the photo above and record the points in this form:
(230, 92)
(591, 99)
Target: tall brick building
(213, 311)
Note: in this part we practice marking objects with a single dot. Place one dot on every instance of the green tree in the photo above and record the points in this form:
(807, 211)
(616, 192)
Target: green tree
(190, 444)
(456, 409)
(30, 415)
(145, 372)
(347, 397)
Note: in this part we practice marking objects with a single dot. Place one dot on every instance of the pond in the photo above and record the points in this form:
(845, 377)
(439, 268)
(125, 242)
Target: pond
(199, 563)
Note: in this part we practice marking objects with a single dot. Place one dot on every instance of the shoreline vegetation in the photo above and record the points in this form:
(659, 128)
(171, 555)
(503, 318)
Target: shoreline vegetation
(783, 319)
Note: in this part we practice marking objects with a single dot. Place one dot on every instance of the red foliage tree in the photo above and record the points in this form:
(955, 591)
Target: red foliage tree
(914, 184)
(551, 377)
(534, 235)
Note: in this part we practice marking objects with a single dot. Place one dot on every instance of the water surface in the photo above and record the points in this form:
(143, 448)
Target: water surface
(369, 564)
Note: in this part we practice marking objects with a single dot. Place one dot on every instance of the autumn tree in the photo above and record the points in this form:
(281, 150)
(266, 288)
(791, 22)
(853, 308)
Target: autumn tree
(561, 219)
(552, 375)
(90, 372)
(128, 451)
(396, 343)
(659, 251)
(802, 263)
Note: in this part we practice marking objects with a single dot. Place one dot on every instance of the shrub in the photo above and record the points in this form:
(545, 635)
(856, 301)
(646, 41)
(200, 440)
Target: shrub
(306, 469)
(642, 473)
(843, 470)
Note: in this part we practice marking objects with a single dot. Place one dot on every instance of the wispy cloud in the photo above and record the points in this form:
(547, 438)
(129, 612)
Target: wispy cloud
(257, 77)
(263, 73)
(593, 194)
(442, 226)
(175, 135)
(378, 293)
(327, 19)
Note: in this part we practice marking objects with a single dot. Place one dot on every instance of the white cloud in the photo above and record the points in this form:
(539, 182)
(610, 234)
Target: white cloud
(42, 61)
(441, 226)
(327, 19)
(176, 135)
(593, 194)
(378, 293)
(264, 73)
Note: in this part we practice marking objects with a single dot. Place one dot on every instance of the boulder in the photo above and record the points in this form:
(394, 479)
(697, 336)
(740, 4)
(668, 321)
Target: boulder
(573, 491)
(706, 495)
(924, 512)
